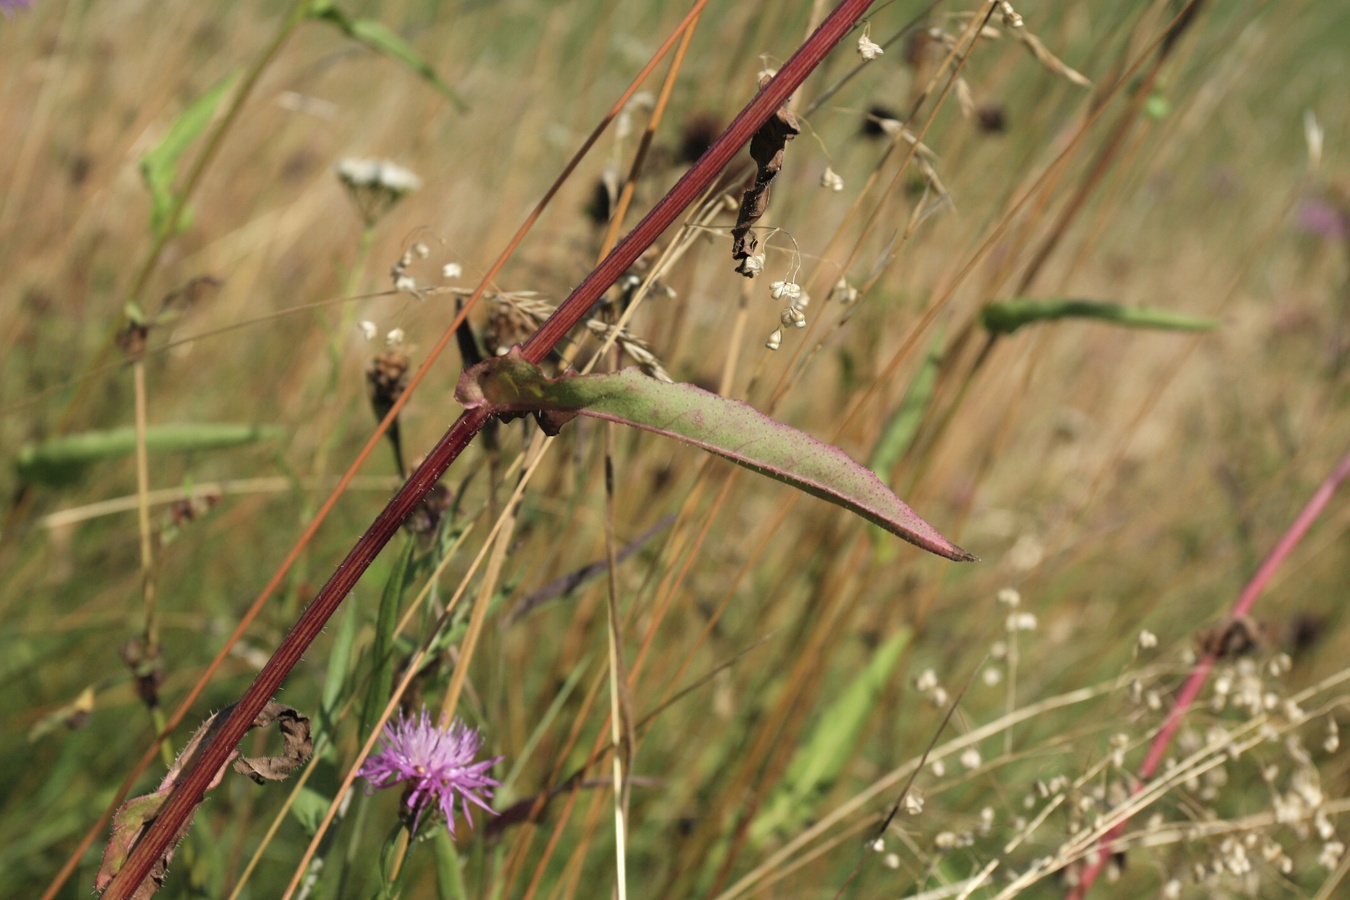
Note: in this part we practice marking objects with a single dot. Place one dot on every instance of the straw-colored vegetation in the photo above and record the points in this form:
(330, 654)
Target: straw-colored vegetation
(788, 665)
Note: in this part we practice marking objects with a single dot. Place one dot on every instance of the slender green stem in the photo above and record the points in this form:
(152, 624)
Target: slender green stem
(449, 877)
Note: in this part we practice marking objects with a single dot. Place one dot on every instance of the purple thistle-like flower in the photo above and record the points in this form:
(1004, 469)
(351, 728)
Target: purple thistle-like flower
(9, 6)
(437, 765)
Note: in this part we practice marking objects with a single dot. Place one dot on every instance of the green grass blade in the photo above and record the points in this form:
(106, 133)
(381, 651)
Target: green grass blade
(541, 728)
(449, 877)
(1007, 316)
(159, 164)
(339, 668)
(903, 425)
(832, 743)
(376, 36)
(899, 434)
(382, 651)
(61, 460)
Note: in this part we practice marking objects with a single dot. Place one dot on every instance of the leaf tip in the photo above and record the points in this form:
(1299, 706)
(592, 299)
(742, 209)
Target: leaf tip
(960, 555)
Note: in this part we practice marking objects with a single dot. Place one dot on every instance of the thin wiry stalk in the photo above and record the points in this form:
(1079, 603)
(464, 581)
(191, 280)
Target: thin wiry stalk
(1213, 754)
(893, 779)
(860, 401)
(957, 60)
(1111, 145)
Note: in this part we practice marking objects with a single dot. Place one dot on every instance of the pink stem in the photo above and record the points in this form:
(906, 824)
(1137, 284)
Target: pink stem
(1191, 688)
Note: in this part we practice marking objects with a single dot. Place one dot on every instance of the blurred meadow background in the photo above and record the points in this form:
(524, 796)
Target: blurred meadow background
(788, 664)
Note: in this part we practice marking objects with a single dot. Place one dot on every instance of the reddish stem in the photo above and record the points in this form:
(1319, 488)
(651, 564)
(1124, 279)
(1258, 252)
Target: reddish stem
(180, 804)
(1191, 689)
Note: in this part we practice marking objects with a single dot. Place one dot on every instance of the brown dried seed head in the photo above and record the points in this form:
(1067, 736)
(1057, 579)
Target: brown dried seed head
(426, 518)
(1237, 637)
(767, 148)
(132, 339)
(506, 327)
(872, 126)
(597, 207)
(387, 377)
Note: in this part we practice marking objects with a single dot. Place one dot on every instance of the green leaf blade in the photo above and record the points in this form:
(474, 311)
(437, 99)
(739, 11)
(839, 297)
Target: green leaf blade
(726, 427)
(61, 460)
(382, 654)
(1008, 316)
(380, 38)
(903, 425)
(159, 164)
(821, 756)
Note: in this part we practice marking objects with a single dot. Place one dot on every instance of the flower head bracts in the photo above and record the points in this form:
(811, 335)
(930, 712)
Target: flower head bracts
(436, 764)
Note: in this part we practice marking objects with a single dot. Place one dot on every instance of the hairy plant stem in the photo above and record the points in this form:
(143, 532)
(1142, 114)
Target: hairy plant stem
(180, 804)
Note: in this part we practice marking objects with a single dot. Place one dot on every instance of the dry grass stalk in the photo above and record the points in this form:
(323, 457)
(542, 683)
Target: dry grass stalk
(524, 302)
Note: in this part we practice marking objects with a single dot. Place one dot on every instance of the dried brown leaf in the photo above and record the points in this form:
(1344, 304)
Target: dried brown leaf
(135, 816)
(766, 149)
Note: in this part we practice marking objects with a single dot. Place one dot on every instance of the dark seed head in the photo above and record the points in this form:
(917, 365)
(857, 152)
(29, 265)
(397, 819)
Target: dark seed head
(597, 208)
(876, 114)
(387, 377)
(699, 132)
(991, 119)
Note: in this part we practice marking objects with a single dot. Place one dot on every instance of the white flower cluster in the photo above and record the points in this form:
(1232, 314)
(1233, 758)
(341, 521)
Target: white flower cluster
(867, 49)
(377, 173)
(404, 281)
(375, 185)
(792, 315)
(927, 684)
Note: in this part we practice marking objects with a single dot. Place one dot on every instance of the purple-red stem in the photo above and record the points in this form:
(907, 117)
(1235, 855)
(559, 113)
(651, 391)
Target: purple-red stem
(180, 804)
(1191, 689)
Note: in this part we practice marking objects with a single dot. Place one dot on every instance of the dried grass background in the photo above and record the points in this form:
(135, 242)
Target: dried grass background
(1117, 480)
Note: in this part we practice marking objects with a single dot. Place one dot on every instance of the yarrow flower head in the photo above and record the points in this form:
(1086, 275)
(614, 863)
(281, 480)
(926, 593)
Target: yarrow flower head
(375, 185)
(436, 765)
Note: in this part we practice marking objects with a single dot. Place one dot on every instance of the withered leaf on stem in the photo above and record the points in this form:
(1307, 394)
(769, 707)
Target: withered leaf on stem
(134, 817)
(766, 149)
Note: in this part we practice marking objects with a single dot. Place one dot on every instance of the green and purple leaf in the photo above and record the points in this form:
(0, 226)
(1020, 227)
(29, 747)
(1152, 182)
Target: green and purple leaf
(728, 428)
